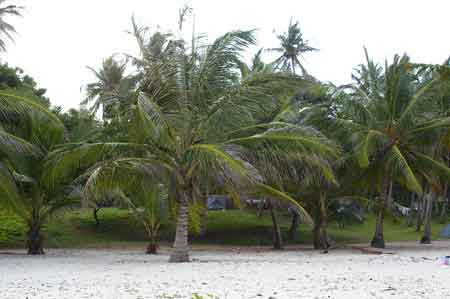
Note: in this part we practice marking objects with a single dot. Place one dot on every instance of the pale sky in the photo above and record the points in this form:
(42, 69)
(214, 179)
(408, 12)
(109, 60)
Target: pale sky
(59, 38)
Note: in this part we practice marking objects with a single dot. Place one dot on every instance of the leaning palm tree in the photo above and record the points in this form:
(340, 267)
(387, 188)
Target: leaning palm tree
(6, 29)
(292, 48)
(28, 133)
(389, 126)
(196, 122)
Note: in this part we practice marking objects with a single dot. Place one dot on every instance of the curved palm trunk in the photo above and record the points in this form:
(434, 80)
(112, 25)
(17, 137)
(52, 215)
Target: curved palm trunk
(420, 209)
(378, 238)
(426, 238)
(180, 253)
(321, 240)
(35, 239)
(277, 239)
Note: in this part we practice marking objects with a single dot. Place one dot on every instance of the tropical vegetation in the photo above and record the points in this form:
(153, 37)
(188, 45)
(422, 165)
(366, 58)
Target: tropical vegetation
(161, 131)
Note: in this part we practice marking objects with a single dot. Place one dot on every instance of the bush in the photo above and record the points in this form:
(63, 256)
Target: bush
(12, 230)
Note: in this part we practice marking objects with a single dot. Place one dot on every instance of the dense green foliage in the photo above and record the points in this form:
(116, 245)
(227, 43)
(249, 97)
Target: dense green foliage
(14, 80)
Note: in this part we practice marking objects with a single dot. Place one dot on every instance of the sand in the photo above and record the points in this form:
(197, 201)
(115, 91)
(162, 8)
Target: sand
(110, 274)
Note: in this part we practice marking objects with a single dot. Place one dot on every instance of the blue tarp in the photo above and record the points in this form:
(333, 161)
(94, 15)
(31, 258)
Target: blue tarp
(445, 232)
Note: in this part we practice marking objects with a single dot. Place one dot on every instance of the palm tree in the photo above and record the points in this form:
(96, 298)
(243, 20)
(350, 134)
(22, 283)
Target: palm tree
(256, 66)
(389, 125)
(332, 182)
(112, 88)
(149, 206)
(197, 121)
(440, 141)
(292, 48)
(29, 132)
(6, 28)
(146, 200)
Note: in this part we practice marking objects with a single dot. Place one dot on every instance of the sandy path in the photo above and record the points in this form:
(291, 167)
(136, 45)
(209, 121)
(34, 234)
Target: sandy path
(291, 274)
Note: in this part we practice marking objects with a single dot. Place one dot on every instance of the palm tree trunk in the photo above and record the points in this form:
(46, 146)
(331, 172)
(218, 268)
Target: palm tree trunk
(97, 221)
(411, 208)
(420, 213)
(390, 200)
(321, 240)
(152, 247)
(34, 238)
(204, 214)
(276, 231)
(378, 238)
(443, 214)
(294, 224)
(180, 253)
(426, 238)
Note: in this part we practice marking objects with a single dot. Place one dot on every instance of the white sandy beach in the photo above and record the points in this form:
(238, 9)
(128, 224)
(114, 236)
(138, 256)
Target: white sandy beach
(109, 274)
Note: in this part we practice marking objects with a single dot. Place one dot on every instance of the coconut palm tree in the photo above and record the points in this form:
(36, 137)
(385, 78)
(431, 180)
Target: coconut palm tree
(112, 87)
(440, 141)
(256, 66)
(28, 133)
(197, 122)
(292, 48)
(6, 29)
(146, 199)
(389, 127)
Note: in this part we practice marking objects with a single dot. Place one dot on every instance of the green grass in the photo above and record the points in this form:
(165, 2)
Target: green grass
(76, 229)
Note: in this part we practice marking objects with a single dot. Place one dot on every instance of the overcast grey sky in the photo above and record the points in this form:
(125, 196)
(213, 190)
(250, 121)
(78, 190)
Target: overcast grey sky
(58, 39)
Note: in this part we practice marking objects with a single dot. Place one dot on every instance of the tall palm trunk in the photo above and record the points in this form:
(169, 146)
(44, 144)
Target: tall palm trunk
(277, 239)
(378, 238)
(204, 213)
(443, 214)
(35, 239)
(420, 213)
(180, 253)
(426, 238)
(390, 199)
(321, 240)
(411, 208)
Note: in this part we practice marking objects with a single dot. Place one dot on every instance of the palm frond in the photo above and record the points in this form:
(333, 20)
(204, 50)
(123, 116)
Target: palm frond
(66, 161)
(400, 165)
(273, 193)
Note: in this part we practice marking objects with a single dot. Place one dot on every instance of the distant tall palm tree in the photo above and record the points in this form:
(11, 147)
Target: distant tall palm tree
(7, 29)
(292, 47)
(110, 87)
